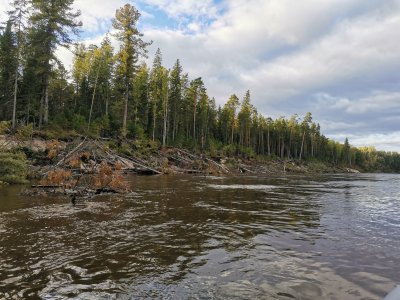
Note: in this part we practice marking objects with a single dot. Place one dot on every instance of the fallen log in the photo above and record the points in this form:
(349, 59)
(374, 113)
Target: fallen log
(218, 165)
(71, 152)
(46, 186)
(136, 163)
(106, 191)
(245, 169)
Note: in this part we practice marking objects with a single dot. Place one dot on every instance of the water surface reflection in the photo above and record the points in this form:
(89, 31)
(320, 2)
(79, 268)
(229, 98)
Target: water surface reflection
(292, 237)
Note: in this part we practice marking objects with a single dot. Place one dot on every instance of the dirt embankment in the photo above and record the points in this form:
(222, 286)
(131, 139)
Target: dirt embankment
(85, 154)
(9, 142)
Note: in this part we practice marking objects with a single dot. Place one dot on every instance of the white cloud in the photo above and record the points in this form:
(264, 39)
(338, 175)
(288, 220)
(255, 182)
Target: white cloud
(186, 8)
(253, 42)
(4, 7)
(329, 125)
(353, 49)
(376, 102)
(386, 142)
(96, 15)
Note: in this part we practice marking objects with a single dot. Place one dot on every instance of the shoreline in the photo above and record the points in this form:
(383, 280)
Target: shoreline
(43, 154)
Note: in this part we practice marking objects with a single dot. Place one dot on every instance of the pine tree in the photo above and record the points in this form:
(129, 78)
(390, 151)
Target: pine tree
(245, 120)
(132, 46)
(229, 112)
(305, 128)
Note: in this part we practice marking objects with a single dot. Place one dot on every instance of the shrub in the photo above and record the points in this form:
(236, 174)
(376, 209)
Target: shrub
(246, 152)
(52, 149)
(24, 132)
(5, 126)
(135, 130)
(58, 177)
(13, 167)
(317, 166)
(79, 123)
(230, 150)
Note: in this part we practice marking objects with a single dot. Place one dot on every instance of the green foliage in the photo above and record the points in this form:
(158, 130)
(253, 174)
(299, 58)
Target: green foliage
(246, 152)
(5, 127)
(24, 132)
(135, 131)
(13, 167)
(214, 147)
(317, 166)
(126, 149)
(132, 47)
(145, 146)
(230, 150)
(78, 123)
(8, 63)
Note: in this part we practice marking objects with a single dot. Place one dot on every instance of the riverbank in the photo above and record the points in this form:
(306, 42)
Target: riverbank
(147, 158)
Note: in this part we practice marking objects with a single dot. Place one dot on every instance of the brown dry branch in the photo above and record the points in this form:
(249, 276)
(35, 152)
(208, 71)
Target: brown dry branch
(53, 148)
(58, 177)
(107, 177)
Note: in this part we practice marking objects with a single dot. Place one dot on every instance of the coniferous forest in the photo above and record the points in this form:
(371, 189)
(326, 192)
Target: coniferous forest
(110, 92)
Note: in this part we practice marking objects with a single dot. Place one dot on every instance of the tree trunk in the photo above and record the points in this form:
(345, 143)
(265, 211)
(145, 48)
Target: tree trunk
(15, 99)
(233, 128)
(14, 119)
(46, 100)
(125, 111)
(41, 109)
(194, 120)
(154, 122)
(302, 144)
(94, 94)
(165, 121)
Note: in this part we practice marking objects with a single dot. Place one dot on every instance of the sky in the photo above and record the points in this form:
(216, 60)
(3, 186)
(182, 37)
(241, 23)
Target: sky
(339, 59)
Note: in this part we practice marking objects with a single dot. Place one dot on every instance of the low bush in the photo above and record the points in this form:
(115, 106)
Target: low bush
(13, 167)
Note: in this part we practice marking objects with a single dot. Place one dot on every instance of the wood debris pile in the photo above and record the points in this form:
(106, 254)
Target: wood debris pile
(89, 168)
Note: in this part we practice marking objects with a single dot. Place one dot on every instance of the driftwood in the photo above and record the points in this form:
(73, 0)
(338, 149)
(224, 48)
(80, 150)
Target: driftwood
(225, 169)
(46, 186)
(242, 168)
(135, 163)
(189, 154)
(106, 190)
(71, 152)
(186, 171)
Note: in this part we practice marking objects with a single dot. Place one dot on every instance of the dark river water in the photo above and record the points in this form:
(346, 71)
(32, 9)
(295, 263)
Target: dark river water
(185, 237)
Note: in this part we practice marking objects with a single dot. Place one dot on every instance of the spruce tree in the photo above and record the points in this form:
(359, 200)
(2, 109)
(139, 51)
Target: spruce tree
(18, 19)
(7, 68)
(53, 22)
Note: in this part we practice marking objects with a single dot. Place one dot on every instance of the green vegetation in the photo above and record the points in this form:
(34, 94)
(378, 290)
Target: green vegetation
(13, 167)
(111, 94)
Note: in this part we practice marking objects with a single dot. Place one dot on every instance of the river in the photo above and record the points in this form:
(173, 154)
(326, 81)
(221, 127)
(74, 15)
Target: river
(200, 237)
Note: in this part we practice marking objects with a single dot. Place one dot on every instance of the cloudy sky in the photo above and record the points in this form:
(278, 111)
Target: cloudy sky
(339, 59)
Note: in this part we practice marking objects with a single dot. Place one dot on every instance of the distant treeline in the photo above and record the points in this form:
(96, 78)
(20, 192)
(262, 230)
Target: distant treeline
(110, 93)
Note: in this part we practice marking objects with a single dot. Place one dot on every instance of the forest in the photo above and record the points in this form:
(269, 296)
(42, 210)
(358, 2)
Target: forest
(113, 93)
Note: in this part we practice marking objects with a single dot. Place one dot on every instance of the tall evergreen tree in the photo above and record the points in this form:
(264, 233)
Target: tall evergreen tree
(132, 46)
(18, 17)
(245, 120)
(175, 97)
(8, 65)
(52, 21)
